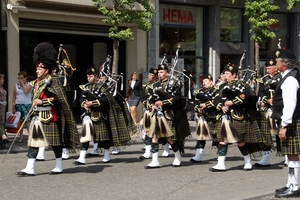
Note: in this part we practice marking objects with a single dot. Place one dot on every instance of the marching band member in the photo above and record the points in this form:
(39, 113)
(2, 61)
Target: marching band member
(169, 119)
(63, 70)
(103, 120)
(206, 115)
(238, 123)
(267, 124)
(147, 99)
(53, 122)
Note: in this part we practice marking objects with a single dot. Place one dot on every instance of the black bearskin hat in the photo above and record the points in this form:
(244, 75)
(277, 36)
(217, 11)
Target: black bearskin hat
(44, 55)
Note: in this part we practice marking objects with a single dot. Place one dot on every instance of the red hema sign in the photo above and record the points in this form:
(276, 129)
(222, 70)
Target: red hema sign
(177, 16)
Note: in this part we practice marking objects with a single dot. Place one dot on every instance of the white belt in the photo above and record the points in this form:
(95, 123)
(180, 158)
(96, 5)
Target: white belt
(41, 108)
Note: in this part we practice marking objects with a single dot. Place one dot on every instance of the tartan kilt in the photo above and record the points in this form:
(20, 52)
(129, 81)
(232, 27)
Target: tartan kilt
(52, 133)
(291, 146)
(212, 126)
(101, 130)
(246, 131)
(265, 129)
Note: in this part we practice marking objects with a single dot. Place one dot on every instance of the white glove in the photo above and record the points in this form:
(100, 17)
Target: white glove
(3, 103)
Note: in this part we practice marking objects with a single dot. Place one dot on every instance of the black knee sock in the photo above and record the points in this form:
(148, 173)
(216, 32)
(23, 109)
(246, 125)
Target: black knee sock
(57, 151)
(244, 150)
(200, 144)
(174, 146)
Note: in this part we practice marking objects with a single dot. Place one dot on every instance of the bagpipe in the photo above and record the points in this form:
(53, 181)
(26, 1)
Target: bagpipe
(174, 82)
(64, 71)
(112, 78)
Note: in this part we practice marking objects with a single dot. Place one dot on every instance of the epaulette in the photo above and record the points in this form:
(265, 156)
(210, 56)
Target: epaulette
(32, 83)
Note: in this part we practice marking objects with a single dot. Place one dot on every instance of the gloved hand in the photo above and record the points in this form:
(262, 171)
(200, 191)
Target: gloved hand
(4, 103)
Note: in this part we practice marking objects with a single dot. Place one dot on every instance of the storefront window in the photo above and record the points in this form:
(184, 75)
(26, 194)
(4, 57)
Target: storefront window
(181, 25)
(231, 25)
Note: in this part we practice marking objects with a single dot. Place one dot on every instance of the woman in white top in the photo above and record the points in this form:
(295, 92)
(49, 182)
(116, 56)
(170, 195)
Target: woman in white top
(21, 100)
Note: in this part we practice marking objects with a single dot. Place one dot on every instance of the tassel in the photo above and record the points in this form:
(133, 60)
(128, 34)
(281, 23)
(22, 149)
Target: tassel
(87, 130)
(164, 127)
(198, 129)
(152, 126)
(230, 132)
(204, 130)
(36, 137)
(146, 121)
(157, 128)
(223, 130)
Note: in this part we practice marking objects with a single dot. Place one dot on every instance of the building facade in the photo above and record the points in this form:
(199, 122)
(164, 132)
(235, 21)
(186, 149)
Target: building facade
(76, 24)
(210, 34)
(213, 33)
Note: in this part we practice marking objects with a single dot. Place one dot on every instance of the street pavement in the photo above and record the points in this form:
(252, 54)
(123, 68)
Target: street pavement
(125, 177)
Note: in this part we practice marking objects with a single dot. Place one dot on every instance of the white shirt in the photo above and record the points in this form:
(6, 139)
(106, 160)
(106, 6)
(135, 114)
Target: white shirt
(21, 97)
(132, 84)
(289, 95)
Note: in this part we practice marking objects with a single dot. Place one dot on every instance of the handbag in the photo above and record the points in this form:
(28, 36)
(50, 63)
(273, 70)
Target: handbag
(12, 120)
(13, 130)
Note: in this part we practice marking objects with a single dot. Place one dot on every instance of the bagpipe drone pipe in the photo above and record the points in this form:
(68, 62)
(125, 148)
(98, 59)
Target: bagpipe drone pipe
(65, 71)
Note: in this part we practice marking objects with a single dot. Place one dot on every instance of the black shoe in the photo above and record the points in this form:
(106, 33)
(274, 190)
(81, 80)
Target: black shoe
(260, 165)
(78, 163)
(217, 170)
(144, 158)
(192, 160)
(5, 141)
(149, 167)
(55, 173)
(288, 193)
(106, 161)
(92, 155)
(281, 190)
(21, 173)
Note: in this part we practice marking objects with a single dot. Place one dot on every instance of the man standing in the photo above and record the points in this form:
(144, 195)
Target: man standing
(53, 122)
(286, 109)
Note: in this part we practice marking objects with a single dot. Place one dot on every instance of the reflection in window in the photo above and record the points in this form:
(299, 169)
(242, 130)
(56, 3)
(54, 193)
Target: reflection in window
(181, 25)
(231, 25)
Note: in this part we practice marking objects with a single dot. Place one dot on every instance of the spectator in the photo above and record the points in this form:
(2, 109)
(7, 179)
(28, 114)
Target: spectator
(21, 100)
(133, 94)
(3, 103)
